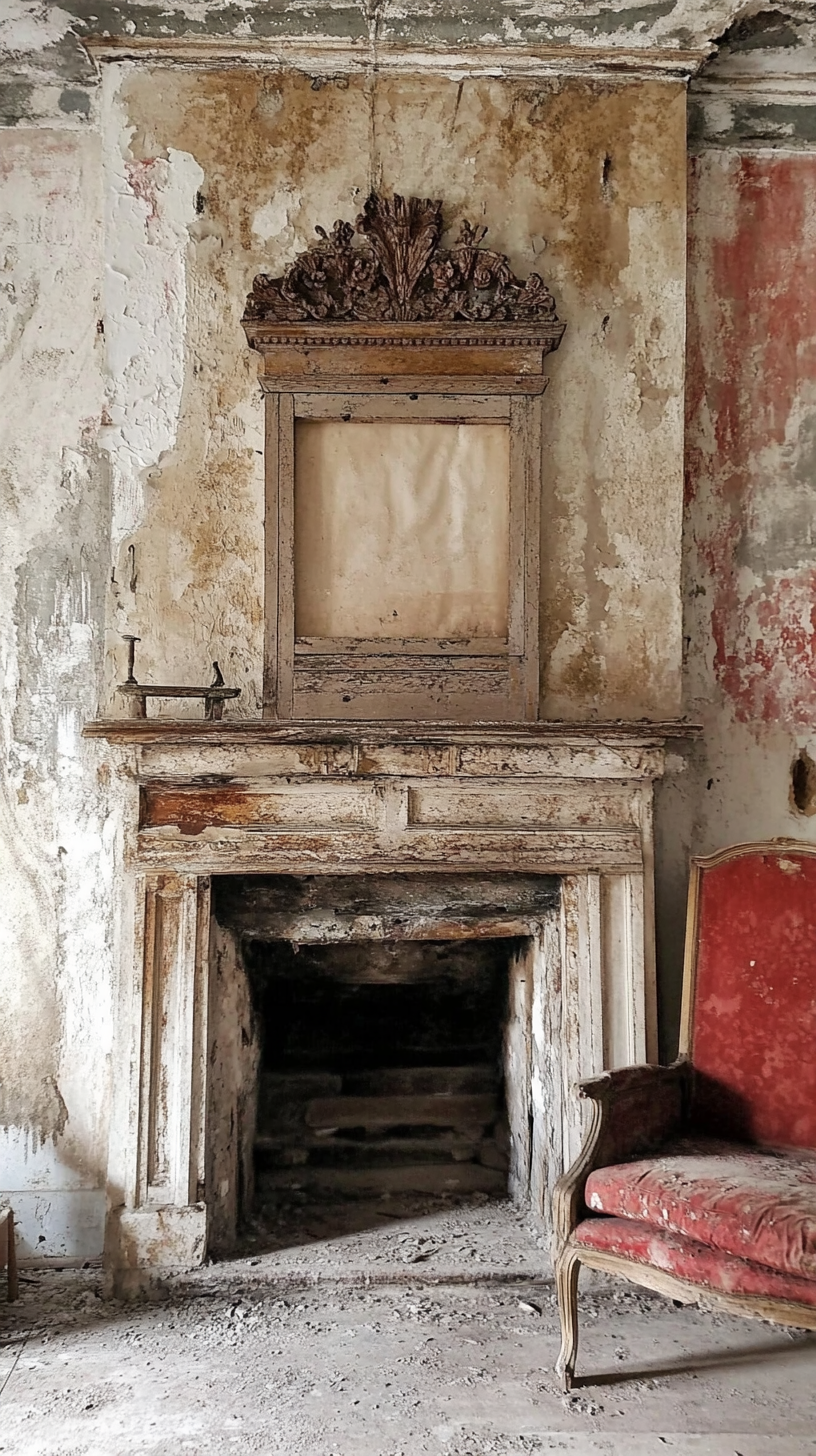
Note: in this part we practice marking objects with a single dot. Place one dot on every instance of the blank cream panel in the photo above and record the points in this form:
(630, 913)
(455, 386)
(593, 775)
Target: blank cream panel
(401, 529)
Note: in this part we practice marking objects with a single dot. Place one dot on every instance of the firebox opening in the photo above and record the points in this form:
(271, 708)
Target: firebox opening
(380, 1068)
(377, 1049)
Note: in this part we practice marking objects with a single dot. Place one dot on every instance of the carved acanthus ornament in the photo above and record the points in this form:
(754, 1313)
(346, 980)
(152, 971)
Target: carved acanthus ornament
(389, 268)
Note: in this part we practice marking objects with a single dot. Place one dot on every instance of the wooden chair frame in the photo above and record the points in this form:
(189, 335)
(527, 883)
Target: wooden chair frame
(644, 1100)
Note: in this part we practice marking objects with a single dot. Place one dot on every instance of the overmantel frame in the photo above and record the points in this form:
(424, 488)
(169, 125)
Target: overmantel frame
(398, 329)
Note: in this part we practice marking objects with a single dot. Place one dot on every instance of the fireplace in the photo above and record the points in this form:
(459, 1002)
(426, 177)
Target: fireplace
(381, 1068)
(385, 1038)
(407, 846)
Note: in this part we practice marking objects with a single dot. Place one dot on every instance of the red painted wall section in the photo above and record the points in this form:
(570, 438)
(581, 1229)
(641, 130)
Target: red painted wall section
(751, 435)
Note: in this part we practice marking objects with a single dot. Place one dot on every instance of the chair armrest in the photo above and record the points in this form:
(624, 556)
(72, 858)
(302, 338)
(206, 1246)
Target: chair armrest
(634, 1110)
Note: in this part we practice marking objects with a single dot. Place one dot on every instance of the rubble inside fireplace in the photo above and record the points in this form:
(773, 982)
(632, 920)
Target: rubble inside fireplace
(378, 1047)
(381, 1068)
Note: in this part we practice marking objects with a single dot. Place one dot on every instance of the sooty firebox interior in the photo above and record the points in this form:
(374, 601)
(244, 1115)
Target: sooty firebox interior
(380, 1012)
(380, 1066)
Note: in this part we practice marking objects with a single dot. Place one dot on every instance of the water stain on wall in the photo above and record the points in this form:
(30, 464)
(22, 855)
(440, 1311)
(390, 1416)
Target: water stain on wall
(581, 181)
(53, 570)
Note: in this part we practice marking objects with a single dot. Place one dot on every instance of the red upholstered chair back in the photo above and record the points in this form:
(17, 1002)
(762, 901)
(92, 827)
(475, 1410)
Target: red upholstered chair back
(749, 1012)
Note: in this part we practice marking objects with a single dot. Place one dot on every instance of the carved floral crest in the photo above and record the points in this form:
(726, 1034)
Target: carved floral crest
(389, 267)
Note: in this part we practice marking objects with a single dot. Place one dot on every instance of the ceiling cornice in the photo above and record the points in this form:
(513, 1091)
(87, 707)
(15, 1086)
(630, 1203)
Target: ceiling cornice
(792, 87)
(326, 57)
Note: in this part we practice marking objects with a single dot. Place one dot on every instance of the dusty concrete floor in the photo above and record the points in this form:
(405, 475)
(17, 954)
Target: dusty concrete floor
(433, 1331)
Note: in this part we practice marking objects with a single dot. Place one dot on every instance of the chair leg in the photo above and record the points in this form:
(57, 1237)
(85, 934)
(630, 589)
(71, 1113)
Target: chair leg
(567, 1268)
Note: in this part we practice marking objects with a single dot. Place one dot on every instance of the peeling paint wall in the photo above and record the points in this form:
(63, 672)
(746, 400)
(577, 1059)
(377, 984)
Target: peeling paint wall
(136, 204)
(48, 73)
(212, 177)
(56, 832)
(186, 434)
(750, 519)
(751, 449)
(758, 91)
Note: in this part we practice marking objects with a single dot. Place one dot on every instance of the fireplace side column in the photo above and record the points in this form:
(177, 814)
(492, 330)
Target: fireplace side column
(161, 1221)
(608, 993)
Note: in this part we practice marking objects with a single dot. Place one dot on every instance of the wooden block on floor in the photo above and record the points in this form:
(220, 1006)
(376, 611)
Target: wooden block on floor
(284, 1096)
(344, 1152)
(8, 1252)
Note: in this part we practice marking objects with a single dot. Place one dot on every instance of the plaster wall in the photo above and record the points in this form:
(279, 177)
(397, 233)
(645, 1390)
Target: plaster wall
(212, 177)
(135, 207)
(57, 834)
(750, 515)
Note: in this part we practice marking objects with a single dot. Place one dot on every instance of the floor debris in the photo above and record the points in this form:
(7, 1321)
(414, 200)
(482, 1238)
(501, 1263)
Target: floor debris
(268, 1353)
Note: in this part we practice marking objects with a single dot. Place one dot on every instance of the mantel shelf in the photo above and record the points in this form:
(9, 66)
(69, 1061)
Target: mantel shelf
(195, 732)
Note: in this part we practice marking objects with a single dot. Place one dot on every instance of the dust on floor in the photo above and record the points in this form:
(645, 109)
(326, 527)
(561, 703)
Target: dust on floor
(427, 1330)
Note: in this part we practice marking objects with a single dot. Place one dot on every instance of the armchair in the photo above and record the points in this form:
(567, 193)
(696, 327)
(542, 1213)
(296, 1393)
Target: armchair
(698, 1180)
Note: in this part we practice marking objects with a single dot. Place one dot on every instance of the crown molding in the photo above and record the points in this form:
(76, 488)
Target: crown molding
(794, 88)
(329, 58)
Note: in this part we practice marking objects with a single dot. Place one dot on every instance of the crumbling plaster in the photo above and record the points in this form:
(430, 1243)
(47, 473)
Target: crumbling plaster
(758, 90)
(56, 831)
(750, 514)
(48, 75)
(79, 425)
(583, 181)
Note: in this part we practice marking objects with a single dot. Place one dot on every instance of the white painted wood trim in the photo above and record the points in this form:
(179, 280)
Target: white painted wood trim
(647, 921)
(623, 981)
(547, 1022)
(588, 968)
(582, 1041)
(175, 916)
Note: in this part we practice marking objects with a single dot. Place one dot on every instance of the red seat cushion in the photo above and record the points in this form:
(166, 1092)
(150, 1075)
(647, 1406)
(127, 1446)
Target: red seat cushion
(687, 1259)
(755, 1203)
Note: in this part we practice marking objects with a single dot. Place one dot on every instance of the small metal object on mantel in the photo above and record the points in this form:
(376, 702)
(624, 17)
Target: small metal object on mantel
(136, 694)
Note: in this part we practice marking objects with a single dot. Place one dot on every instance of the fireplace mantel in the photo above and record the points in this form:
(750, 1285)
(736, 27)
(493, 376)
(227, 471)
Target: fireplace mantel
(243, 797)
(199, 731)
